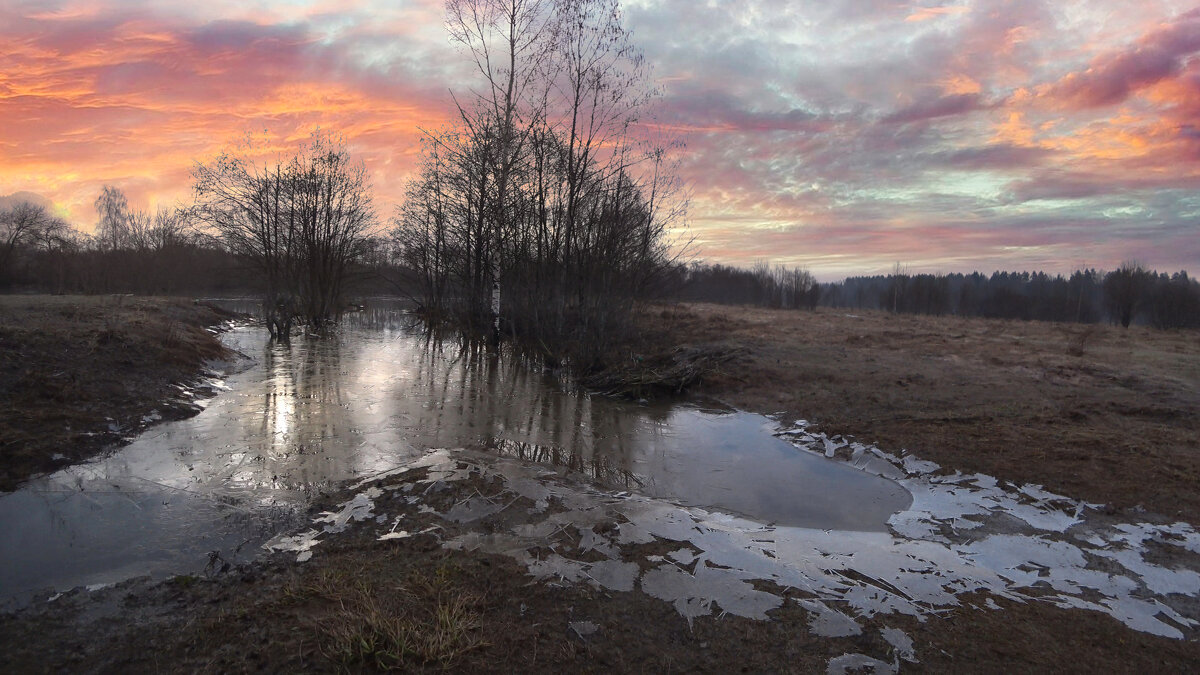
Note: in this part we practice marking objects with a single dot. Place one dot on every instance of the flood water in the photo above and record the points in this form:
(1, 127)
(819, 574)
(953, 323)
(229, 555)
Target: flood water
(297, 419)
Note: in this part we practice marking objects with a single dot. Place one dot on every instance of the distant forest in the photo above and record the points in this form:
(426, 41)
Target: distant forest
(165, 254)
(1128, 295)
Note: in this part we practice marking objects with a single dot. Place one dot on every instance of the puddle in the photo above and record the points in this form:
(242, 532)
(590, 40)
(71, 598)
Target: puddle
(302, 418)
(733, 499)
(732, 461)
(966, 539)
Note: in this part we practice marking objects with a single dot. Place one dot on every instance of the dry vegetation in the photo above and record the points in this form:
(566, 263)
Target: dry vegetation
(1094, 411)
(79, 373)
(1098, 412)
(361, 605)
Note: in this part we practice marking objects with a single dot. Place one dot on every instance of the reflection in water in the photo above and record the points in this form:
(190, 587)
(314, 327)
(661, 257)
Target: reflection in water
(599, 468)
(308, 415)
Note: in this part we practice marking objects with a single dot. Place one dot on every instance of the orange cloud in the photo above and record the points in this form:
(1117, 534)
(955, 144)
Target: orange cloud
(927, 13)
(958, 84)
(88, 100)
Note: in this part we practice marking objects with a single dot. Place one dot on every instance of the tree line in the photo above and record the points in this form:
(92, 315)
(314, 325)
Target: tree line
(777, 286)
(172, 251)
(1129, 294)
(130, 251)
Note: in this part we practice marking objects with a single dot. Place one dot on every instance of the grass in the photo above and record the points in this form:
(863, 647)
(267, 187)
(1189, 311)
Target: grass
(74, 367)
(1097, 412)
(363, 620)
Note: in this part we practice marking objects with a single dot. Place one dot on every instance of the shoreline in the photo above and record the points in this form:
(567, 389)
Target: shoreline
(1100, 413)
(361, 603)
(84, 374)
(394, 583)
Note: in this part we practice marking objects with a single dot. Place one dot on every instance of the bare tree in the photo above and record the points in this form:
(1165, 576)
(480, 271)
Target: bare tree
(542, 183)
(509, 42)
(21, 225)
(113, 227)
(300, 220)
(1125, 291)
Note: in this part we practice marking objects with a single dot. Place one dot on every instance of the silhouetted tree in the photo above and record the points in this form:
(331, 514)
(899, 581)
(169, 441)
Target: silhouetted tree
(1175, 301)
(540, 190)
(1125, 291)
(23, 225)
(301, 220)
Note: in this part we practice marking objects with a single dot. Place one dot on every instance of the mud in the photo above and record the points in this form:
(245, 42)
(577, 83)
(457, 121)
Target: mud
(80, 375)
(649, 592)
(475, 558)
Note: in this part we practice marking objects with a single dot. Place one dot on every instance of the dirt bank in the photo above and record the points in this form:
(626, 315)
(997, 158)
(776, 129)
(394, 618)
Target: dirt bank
(80, 373)
(362, 604)
(1094, 412)
(1088, 415)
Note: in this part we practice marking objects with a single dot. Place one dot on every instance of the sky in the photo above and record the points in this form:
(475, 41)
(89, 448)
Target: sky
(841, 136)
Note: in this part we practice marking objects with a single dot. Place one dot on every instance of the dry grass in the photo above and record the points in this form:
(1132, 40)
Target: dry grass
(1097, 412)
(363, 620)
(78, 372)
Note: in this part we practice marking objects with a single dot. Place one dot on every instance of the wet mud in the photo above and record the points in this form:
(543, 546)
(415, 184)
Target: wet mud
(399, 481)
(294, 421)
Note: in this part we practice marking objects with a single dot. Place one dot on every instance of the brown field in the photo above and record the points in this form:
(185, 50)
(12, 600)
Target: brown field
(1096, 412)
(78, 373)
(360, 605)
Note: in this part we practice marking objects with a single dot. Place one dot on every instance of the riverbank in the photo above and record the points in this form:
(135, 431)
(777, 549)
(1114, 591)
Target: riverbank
(463, 561)
(78, 374)
(1097, 412)
(433, 567)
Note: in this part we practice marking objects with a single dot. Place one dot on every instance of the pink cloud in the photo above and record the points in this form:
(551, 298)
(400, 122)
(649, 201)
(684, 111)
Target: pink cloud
(1112, 77)
(847, 134)
(927, 13)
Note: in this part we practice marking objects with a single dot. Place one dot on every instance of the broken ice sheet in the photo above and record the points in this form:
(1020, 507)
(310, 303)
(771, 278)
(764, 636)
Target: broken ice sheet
(828, 622)
(962, 534)
(302, 544)
(471, 510)
(901, 643)
(858, 663)
(583, 628)
(694, 595)
(611, 574)
(910, 571)
(358, 508)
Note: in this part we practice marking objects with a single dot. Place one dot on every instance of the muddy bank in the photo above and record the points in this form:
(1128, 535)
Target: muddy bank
(78, 374)
(401, 577)
(1096, 412)
(481, 563)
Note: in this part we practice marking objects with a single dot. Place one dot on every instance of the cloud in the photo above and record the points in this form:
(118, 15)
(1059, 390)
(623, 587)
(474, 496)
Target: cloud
(927, 13)
(843, 135)
(1115, 75)
(9, 201)
(991, 157)
(942, 106)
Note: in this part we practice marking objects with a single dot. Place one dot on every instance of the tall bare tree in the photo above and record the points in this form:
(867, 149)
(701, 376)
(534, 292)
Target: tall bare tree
(113, 230)
(24, 224)
(301, 220)
(543, 182)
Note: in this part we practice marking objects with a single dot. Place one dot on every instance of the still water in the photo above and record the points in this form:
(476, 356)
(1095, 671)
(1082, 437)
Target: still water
(294, 420)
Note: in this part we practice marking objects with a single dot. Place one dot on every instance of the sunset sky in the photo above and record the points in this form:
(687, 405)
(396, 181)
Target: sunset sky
(842, 136)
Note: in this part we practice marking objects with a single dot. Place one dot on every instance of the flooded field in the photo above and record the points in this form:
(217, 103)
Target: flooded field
(292, 421)
(440, 455)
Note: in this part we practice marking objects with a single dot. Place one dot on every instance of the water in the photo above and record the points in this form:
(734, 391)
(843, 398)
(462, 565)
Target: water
(301, 418)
